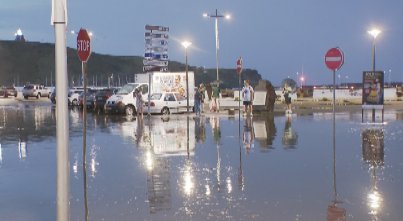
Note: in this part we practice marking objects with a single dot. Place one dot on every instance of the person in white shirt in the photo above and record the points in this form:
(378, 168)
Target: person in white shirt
(247, 96)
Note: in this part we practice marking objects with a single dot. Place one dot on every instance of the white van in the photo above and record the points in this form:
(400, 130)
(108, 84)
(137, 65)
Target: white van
(123, 101)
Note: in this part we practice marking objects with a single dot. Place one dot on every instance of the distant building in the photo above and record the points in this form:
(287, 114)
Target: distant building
(19, 36)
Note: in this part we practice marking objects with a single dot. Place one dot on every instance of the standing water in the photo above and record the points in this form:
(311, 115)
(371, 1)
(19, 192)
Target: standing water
(215, 167)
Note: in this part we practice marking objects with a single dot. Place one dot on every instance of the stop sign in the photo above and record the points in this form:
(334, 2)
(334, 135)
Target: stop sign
(83, 45)
(334, 59)
(239, 65)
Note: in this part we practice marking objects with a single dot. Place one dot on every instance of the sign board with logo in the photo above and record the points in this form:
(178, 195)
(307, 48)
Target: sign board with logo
(372, 90)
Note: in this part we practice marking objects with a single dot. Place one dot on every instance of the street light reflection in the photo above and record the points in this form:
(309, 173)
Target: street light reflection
(375, 202)
(149, 161)
(188, 179)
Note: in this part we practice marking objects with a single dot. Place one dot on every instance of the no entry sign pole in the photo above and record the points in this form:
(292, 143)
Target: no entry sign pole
(334, 59)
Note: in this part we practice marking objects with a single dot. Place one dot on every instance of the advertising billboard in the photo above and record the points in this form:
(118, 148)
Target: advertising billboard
(372, 90)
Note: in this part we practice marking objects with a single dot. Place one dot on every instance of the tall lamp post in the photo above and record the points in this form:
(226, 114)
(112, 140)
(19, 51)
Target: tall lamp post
(374, 33)
(217, 46)
(186, 44)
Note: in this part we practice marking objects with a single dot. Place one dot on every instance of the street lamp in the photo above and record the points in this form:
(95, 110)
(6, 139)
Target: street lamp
(216, 16)
(302, 81)
(374, 33)
(186, 44)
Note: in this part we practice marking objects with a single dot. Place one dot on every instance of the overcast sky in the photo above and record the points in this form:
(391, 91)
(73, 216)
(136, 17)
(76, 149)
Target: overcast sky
(277, 37)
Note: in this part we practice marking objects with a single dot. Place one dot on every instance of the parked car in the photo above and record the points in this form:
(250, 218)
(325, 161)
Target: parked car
(168, 102)
(3, 92)
(8, 91)
(73, 96)
(101, 96)
(90, 99)
(35, 90)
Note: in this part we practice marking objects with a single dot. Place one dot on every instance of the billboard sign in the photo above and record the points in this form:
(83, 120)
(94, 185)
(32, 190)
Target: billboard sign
(372, 90)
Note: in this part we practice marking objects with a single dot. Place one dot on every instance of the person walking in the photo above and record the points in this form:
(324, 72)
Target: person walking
(139, 103)
(202, 91)
(287, 99)
(247, 96)
(215, 94)
(197, 101)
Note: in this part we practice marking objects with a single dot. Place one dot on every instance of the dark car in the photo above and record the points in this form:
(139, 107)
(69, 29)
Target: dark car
(53, 96)
(8, 91)
(101, 97)
(90, 99)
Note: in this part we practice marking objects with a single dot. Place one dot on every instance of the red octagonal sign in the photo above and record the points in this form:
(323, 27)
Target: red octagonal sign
(83, 45)
(334, 59)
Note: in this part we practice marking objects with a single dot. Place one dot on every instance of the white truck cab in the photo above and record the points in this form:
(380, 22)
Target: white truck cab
(124, 101)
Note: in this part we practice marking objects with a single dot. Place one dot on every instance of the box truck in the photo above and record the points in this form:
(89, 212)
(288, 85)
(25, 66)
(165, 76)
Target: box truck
(148, 83)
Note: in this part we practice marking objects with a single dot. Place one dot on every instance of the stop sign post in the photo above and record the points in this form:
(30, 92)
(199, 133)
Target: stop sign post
(334, 59)
(84, 52)
(83, 45)
(239, 71)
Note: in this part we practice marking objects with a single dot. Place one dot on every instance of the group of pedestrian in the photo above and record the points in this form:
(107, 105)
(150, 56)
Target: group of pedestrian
(199, 99)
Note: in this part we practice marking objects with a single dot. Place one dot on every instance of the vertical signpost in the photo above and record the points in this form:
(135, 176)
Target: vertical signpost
(84, 52)
(239, 72)
(334, 59)
(155, 52)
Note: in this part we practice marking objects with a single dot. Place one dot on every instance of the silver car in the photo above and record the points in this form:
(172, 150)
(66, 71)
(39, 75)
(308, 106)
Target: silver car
(35, 90)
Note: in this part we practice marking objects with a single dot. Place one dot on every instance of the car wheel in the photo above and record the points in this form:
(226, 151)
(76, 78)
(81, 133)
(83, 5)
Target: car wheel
(38, 96)
(25, 97)
(129, 110)
(165, 111)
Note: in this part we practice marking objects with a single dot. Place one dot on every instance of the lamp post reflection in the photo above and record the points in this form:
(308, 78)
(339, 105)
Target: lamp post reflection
(215, 123)
(188, 183)
(373, 155)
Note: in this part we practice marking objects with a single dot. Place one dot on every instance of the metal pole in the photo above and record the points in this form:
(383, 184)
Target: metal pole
(216, 43)
(62, 120)
(187, 81)
(84, 71)
(239, 94)
(334, 93)
(373, 72)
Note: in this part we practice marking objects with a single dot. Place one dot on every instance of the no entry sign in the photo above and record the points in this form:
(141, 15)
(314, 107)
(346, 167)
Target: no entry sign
(334, 59)
(83, 45)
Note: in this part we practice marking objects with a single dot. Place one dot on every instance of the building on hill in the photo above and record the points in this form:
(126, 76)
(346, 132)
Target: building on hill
(19, 36)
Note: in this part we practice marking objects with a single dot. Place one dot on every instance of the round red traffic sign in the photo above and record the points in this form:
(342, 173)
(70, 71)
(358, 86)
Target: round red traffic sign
(83, 45)
(334, 58)
(239, 65)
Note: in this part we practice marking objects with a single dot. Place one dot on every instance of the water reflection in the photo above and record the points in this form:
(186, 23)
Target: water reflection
(334, 211)
(159, 185)
(248, 134)
(199, 169)
(200, 129)
(290, 137)
(265, 132)
(373, 155)
(215, 124)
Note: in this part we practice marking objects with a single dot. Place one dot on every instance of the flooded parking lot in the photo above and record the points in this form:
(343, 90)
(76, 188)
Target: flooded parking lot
(215, 167)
